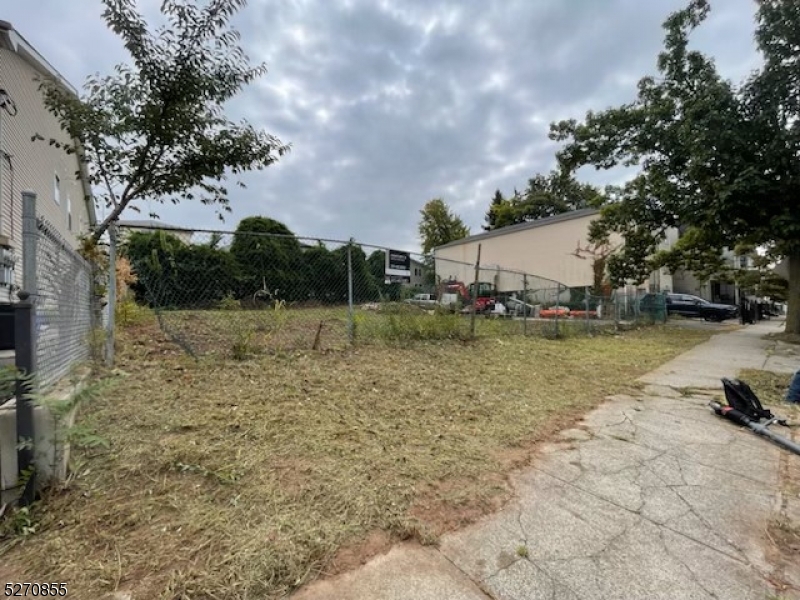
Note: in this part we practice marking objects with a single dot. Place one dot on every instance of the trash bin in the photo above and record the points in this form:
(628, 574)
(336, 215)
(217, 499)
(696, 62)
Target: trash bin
(793, 395)
(6, 326)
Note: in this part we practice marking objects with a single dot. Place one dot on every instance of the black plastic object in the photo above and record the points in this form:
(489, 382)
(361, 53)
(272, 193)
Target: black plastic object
(6, 326)
(741, 398)
(744, 420)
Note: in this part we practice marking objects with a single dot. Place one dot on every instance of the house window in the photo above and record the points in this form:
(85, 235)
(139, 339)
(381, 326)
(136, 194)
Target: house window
(69, 213)
(57, 189)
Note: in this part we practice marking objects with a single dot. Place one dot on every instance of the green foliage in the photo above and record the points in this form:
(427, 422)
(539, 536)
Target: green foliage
(761, 280)
(242, 347)
(128, 313)
(491, 215)
(545, 196)
(408, 325)
(325, 275)
(21, 523)
(716, 160)
(173, 274)
(376, 262)
(8, 382)
(365, 288)
(155, 129)
(266, 261)
(439, 225)
(229, 302)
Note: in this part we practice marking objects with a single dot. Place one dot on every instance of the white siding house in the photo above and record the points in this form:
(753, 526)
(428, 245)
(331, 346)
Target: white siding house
(57, 178)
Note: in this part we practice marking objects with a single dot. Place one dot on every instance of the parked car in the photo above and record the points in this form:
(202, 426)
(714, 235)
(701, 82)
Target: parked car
(423, 300)
(694, 306)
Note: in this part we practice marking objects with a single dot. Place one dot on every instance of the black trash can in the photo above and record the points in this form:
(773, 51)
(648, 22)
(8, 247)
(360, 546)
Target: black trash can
(6, 326)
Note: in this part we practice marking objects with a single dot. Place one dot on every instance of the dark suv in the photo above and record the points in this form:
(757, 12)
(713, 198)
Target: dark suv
(692, 306)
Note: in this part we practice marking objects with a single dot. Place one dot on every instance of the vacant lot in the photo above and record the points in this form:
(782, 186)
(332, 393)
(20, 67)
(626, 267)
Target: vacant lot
(242, 479)
(237, 333)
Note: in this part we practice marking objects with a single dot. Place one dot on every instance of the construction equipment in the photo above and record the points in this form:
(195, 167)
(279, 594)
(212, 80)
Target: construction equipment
(745, 409)
(455, 294)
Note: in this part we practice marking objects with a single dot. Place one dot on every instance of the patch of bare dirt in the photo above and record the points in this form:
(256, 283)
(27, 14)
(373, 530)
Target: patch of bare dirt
(357, 553)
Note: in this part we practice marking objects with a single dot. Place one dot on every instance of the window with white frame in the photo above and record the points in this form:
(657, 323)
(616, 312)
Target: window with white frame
(69, 213)
(57, 189)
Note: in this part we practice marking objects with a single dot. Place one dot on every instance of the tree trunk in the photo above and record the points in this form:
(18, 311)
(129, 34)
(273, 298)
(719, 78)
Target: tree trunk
(793, 312)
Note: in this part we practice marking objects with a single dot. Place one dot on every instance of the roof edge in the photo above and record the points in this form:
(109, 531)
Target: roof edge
(567, 216)
(11, 39)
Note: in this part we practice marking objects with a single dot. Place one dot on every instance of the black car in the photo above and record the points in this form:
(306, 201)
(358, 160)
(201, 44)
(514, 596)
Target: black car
(693, 306)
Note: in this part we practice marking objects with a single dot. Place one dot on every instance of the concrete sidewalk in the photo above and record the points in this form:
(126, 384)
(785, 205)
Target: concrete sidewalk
(650, 497)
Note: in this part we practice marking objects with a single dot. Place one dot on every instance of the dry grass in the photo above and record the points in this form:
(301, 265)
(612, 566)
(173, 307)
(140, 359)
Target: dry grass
(788, 338)
(783, 531)
(244, 333)
(243, 479)
(770, 387)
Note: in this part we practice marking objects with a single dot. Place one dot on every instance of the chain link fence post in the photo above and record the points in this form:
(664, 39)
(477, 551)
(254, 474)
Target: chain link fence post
(586, 302)
(25, 362)
(525, 304)
(29, 249)
(558, 308)
(112, 294)
(475, 293)
(351, 325)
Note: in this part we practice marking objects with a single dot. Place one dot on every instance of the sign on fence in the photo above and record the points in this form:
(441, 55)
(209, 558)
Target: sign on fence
(398, 266)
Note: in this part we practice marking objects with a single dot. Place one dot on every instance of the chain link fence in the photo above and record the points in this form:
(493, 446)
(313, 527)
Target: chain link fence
(60, 283)
(244, 293)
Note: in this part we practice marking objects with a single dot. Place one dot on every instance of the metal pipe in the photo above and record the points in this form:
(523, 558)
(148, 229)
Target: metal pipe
(740, 418)
(524, 305)
(351, 326)
(475, 293)
(112, 294)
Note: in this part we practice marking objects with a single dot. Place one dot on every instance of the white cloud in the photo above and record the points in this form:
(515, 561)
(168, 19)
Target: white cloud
(390, 104)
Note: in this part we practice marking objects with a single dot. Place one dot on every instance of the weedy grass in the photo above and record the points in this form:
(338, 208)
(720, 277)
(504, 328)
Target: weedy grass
(232, 479)
(771, 388)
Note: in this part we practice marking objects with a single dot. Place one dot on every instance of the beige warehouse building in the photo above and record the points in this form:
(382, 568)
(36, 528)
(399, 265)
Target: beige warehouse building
(548, 251)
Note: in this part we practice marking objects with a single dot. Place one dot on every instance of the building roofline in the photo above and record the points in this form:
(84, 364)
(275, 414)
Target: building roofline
(568, 216)
(11, 39)
(150, 224)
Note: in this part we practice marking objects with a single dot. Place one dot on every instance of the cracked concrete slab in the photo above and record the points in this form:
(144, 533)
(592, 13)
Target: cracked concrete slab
(406, 571)
(648, 497)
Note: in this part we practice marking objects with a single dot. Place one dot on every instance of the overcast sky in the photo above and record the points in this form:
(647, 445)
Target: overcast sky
(388, 104)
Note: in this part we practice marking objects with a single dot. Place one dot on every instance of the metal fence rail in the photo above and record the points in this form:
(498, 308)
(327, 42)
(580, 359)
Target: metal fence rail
(244, 293)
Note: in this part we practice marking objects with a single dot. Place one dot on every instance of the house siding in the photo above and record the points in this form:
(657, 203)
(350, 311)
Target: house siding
(36, 163)
(547, 251)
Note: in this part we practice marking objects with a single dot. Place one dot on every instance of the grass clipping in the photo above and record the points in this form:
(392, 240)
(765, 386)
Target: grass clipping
(231, 480)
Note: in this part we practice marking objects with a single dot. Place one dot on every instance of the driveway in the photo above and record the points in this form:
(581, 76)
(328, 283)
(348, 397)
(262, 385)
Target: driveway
(649, 496)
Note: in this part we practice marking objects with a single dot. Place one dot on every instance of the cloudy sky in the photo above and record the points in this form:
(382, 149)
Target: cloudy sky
(388, 104)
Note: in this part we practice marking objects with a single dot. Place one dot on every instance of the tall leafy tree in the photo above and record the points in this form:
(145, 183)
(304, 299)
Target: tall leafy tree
(365, 288)
(717, 160)
(491, 214)
(545, 196)
(325, 275)
(439, 225)
(155, 129)
(269, 258)
(170, 273)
